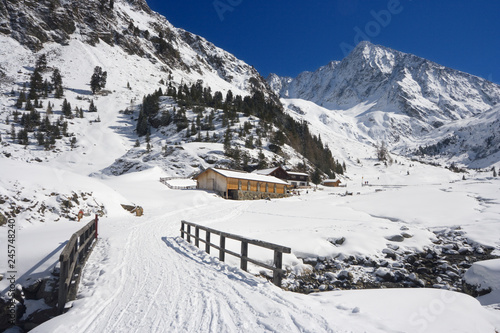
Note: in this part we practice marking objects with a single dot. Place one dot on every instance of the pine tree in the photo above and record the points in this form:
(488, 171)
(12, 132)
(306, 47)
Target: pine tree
(36, 84)
(41, 62)
(57, 83)
(49, 108)
(98, 79)
(40, 138)
(22, 137)
(92, 107)
(316, 176)
(142, 124)
(66, 108)
(29, 106)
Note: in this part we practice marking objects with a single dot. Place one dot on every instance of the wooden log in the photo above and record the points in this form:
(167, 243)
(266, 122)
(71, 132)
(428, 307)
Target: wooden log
(278, 262)
(244, 255)
(222, 248)
(207, 242)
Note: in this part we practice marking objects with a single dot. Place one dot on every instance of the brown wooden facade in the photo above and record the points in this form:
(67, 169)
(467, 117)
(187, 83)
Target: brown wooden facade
(241, 185)
(331, 182)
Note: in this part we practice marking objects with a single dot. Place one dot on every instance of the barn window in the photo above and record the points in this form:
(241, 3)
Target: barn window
(239, 184)
(267, 187)
(274, 190)
(248, 186)
(258, 187)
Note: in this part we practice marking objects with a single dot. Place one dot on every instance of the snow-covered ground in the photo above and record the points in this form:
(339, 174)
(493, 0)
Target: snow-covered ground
(143, 277)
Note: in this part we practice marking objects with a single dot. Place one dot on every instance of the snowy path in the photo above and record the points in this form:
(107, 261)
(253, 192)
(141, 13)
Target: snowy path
(142, 277)
(146, 279)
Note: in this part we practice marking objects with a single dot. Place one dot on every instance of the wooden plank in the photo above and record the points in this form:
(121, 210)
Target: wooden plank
(222, 248)
(244, 255)
(207, 242)
(260, 243)
(197, 236)
(278, 272)
(278, 261)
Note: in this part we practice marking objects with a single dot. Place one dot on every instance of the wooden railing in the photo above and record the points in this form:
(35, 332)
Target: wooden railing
(73, 256)
(174, 187)
(278, 272)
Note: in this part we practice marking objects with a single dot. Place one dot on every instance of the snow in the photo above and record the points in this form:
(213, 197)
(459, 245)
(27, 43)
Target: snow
(143, 277)
(485, 275)
(249, 176)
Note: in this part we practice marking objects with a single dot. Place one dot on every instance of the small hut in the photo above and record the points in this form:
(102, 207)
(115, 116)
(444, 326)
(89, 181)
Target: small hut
(331, 182)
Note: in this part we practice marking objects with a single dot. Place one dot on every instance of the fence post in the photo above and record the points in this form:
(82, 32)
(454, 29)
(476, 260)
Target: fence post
(96, 220)
(244, 255)
(188, 233)
(222, 250)
(207, 243)
(278, 262)
(197, 237)
(63, 291)
(182, 229)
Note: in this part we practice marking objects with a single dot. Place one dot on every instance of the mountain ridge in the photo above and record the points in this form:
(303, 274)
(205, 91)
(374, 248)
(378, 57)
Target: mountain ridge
(393, 96)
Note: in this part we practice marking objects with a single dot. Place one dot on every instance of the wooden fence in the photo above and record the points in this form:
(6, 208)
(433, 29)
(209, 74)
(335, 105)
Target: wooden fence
(173, 187)
(73, 257)
(278, 272)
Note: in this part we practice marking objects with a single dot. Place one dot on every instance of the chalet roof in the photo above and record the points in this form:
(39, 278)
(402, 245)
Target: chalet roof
(265, 171)
(297, 173)
(249, 176)
(331, 181)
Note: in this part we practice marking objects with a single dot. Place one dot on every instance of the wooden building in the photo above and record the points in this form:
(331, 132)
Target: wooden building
(239, 185)
(298, 179)
(331, 182)
(294, 179)
(277, 172)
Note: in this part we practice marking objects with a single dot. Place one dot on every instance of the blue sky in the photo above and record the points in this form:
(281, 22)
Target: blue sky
(288, 37)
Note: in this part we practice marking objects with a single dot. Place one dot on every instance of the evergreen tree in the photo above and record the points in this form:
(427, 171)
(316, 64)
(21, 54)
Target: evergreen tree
(66, 108)
(29, 106)
(92, 107)
(142, 127)
(22, 137)
(36, 84)
(40, 138)
(56, 80)
(49, 108)
(98, 79)
(41, 62)
(316, 176)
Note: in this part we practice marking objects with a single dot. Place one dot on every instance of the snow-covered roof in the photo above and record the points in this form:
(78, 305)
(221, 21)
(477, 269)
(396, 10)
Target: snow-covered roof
(265, 171)
(249, 176)
(297, 173)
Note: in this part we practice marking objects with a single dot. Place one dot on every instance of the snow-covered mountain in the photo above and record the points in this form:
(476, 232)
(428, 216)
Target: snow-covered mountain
(134, 28)
(393, 96)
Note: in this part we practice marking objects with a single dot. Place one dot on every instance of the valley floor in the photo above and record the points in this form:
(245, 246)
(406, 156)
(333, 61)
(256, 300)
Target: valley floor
(142, 277)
